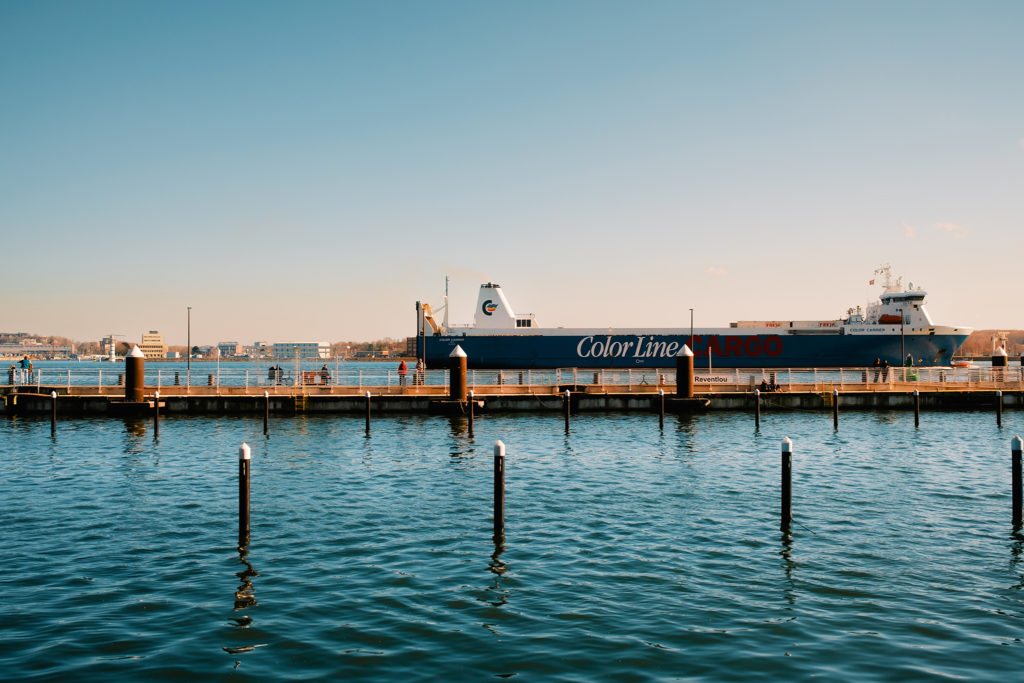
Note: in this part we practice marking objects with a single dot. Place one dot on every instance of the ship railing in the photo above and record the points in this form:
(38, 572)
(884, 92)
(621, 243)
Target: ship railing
(348, 378)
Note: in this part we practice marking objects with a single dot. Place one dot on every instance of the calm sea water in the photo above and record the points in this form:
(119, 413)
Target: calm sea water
(630, 554)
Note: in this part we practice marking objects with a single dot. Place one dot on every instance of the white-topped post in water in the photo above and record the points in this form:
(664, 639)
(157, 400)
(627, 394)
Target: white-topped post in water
(458, 363)
(684, 373)
(787, 483)
(134, 369)
(244, 459)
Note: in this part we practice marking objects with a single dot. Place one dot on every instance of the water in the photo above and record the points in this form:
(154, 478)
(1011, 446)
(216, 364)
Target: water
(630, 553)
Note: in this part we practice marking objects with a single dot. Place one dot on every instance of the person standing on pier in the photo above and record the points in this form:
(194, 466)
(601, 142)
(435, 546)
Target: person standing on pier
(403, 370)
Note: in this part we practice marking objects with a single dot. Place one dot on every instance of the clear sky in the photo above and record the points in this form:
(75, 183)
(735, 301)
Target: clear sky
(308, 170)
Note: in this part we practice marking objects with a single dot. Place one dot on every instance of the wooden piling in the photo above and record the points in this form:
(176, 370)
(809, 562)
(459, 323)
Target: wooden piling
(156, 413)
(757, 409)
(787, 484)
(835, 409)
(999, 409)
(367, 413)
(244, 460)
(917, 408)
(53, 413)
(661, 409)
(499, 492)
(684, 373)
(1015, 485)
(472, 405)
(567, 401)
(266, 413)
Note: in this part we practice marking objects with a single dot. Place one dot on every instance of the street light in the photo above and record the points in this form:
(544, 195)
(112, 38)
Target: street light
(691, 329)
(188, 351)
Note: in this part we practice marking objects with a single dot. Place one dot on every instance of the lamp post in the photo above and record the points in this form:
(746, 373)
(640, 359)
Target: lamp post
(691, 329)
(188, 350)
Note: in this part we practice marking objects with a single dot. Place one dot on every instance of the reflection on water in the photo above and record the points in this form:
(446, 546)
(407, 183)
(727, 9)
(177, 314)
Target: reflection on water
(245, 597)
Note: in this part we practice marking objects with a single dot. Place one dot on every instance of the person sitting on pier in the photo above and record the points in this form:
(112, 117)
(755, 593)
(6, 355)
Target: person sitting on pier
(764, 385)
(10, 374)
(878, 367)
(774, 386)
(325, 376)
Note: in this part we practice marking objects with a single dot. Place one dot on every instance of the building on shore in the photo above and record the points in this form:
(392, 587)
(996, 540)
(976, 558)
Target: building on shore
(153, 345)
(302, 349)
(230, 349)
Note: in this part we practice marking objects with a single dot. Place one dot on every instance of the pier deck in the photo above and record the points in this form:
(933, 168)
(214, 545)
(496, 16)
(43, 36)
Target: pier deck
(75, 400)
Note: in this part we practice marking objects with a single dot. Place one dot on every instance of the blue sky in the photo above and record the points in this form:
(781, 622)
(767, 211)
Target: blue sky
(309, 170)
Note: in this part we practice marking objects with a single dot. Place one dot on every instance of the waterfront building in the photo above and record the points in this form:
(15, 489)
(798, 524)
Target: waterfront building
(230, 349)
(304, 349)
(258, 349)
(153, 345)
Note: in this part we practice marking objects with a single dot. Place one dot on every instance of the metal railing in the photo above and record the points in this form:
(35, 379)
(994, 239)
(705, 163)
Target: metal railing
(638, 380)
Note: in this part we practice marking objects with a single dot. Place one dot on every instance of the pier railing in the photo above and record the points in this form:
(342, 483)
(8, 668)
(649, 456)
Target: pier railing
(107, 380)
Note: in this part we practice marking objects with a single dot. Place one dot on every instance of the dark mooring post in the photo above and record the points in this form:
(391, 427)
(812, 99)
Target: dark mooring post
(567, 402)
(757, 409)
(499, 492)
(835, 409)
(53, 413)
(787, 483)
(684, 373)
(457, 363)
(471, 406)
(999, 409)
(156, 412)
(266, 413)
(367, 413)
(134, 368)
(1015, 467)
(917, 408)
(661, 408)
(244, 459)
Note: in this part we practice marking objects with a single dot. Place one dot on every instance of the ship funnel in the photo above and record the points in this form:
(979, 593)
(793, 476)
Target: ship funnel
(492, 308)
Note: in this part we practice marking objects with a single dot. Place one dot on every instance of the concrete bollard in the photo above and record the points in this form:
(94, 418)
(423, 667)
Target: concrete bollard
(661, 409)
(499, 492)
(244, 459)
(999, 409)
(787, 483)
(835, 409)
(917, 408)
(567, 401)
(471, 406)
(757, 409)
(134, 368)
(266, 413)
(457, 381)
(1015, 485)
(53, 413)
(684, 373)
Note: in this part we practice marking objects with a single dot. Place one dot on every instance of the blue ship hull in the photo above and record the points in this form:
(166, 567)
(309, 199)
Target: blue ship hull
(659, 351)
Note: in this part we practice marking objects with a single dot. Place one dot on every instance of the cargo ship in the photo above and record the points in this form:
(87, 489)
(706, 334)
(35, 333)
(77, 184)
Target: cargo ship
(895, 330)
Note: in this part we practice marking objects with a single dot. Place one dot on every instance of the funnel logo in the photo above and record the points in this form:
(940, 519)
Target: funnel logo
(489, 307)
